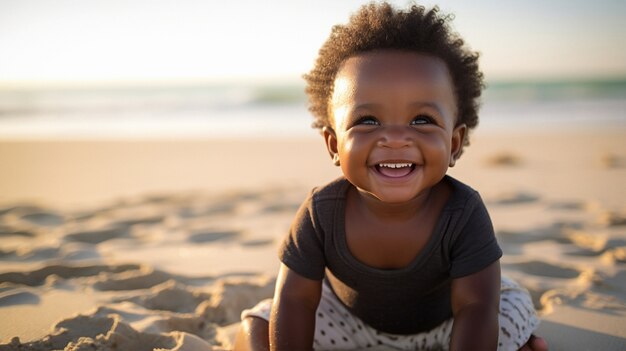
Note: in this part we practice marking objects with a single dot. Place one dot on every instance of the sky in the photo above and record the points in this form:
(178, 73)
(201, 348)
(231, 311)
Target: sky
(65, 41)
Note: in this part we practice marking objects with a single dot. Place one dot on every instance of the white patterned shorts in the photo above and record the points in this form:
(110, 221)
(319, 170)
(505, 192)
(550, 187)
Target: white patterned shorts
(338, 329)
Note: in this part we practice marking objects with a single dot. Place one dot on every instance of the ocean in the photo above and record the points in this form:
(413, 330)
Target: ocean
(274, 110)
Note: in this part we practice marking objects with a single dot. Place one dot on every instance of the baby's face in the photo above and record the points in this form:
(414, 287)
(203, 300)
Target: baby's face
(394, 130)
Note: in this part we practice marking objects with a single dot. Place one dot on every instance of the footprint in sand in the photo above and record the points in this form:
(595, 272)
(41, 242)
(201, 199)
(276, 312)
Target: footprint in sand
(514, 198)
(36, 254)
(13, 298)
(557, 232)
(98, 236)
(81, 254)
(137, 221)
(211, 236)
(544, 269)
(43, 219)
(507, 237)
(257, 242)
(568, 205)
(504, 159)
(7, 254)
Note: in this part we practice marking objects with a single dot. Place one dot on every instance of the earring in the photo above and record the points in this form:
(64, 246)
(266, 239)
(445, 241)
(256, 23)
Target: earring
(336, 159)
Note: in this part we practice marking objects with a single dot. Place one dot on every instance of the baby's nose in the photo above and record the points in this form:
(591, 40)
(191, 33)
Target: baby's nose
(396, 137)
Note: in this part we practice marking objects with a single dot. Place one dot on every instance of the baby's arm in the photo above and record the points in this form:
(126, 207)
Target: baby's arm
(292, 323)
(475, 304)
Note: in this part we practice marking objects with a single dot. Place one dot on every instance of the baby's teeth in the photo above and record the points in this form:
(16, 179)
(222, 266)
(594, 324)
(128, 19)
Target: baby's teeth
(394, 165)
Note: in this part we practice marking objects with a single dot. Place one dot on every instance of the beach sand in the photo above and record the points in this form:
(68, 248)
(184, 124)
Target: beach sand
(142, 245)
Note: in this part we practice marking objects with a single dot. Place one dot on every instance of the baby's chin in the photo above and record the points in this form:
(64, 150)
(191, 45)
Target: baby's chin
(391, 197)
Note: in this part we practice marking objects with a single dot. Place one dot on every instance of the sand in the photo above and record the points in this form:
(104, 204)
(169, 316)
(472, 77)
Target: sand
(142, 245)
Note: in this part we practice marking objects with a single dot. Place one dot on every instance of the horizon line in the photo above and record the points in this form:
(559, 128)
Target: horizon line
(265, 81)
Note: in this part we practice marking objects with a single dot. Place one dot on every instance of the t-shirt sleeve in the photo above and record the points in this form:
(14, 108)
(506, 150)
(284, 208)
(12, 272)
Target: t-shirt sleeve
(302, 250)
(475, 246)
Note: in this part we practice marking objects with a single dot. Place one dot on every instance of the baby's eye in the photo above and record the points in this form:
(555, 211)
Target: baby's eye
(422, 119)
(368, 121)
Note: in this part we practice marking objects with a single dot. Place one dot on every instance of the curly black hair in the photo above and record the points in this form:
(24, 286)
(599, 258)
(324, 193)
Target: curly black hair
(382, 27)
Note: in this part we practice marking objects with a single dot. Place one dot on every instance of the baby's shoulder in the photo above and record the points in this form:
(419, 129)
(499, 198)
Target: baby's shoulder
(334, 190)
(461, 194)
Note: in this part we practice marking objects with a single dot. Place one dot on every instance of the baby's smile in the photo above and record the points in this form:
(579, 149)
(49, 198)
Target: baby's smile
(395, 169)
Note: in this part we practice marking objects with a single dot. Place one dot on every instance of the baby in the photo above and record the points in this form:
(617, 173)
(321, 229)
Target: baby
(395, 254)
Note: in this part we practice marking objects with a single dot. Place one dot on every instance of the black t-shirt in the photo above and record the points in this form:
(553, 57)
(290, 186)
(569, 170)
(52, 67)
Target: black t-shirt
(409, 300)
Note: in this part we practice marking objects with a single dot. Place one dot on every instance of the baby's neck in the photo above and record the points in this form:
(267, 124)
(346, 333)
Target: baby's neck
(370, 206)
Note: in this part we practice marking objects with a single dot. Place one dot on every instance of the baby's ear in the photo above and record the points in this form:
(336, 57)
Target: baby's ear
(458, 140)
(330, 138)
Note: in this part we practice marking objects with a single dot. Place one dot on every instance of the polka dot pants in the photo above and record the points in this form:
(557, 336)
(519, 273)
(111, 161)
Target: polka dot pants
(337, 329)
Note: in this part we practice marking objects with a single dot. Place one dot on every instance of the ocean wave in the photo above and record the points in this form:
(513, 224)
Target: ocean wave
(210, 98)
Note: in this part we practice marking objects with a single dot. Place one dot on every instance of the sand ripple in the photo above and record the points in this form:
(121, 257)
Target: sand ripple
(102, 254)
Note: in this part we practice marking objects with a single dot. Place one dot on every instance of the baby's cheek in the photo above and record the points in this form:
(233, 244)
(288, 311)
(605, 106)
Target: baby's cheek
(435, 149)
(357, 152)
(353, 158)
